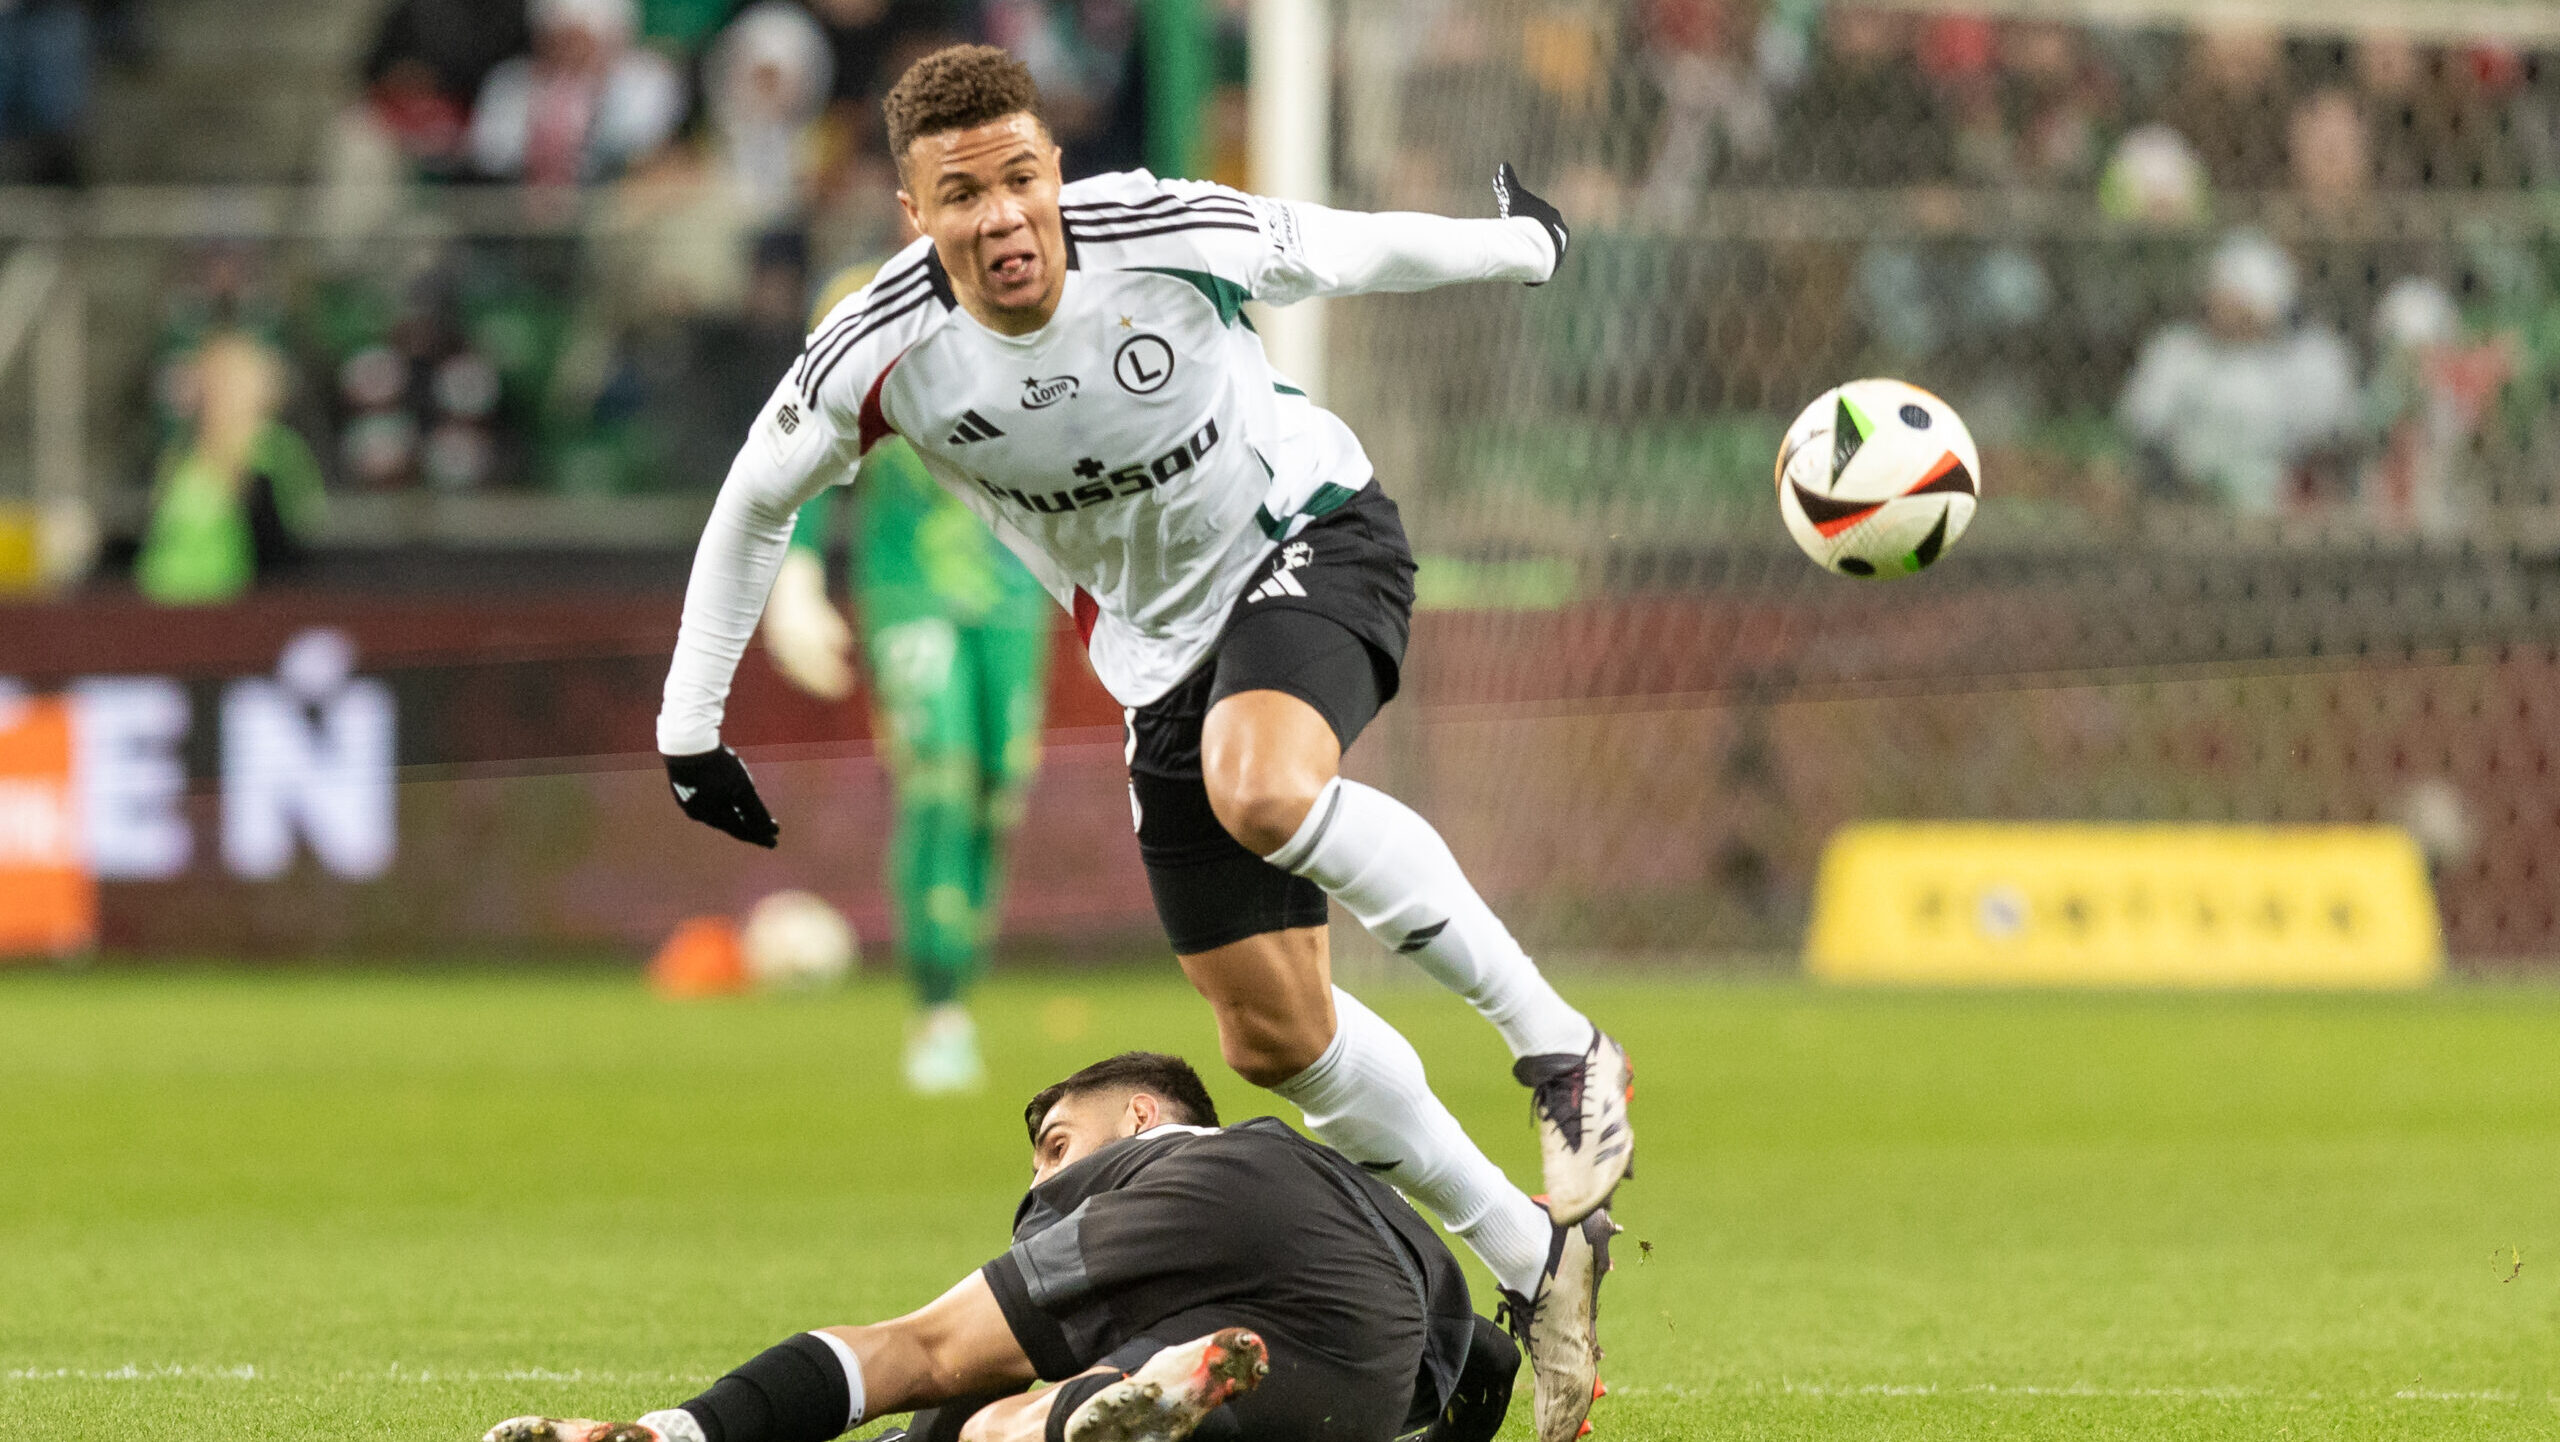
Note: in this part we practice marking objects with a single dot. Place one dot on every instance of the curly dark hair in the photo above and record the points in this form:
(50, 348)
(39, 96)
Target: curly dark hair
(1168, 1079)
(955, 88)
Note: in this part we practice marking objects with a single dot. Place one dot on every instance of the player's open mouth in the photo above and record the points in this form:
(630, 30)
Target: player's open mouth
(1013, 269)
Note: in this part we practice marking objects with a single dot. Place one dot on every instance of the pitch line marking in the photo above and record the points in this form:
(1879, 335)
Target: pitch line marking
(396, 1372)
(249, 1372)
(2081, 1389)
(134, 1372)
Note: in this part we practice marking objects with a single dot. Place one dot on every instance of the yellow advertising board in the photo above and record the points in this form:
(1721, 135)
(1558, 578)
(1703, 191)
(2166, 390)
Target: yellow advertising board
(1999, 904)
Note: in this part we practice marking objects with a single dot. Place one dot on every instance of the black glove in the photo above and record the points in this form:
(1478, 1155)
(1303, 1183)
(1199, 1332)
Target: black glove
(713, 788)
(1512, 198)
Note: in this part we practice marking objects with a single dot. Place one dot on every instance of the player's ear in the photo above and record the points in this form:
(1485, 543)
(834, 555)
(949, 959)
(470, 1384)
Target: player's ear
(1143, 1114)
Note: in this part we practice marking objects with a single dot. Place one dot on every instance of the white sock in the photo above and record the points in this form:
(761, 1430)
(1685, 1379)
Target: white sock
(1367, 1098)
(676, 1425)
(854, 1399)
(1388, 867)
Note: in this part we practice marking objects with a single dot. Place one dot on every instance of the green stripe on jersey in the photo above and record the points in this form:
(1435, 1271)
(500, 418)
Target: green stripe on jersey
(1226, 295)
(1328, 499)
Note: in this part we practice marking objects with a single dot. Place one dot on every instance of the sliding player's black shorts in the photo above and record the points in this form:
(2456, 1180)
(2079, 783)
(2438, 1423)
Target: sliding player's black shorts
(1325, 619)
(1174, 1234)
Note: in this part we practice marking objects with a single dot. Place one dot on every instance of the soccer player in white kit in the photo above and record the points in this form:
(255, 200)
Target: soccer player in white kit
(1072, 362)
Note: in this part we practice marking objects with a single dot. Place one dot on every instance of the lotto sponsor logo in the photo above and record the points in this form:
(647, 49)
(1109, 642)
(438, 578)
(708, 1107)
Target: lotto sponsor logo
(1100, 484)
(1038, 393)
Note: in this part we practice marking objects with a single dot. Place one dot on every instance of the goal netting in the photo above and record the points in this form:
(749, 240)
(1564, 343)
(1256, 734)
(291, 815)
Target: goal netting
(2322, 588)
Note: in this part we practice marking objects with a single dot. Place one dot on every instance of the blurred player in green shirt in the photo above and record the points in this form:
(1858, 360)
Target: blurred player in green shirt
(955, 636)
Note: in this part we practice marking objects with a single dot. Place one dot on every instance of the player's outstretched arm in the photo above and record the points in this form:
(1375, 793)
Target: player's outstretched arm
(787, 459)
(1320, 251)
(818, 1385)
(1511, 198)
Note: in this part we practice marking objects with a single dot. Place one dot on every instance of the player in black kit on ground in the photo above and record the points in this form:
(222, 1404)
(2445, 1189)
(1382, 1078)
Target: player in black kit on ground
(1175, 1278)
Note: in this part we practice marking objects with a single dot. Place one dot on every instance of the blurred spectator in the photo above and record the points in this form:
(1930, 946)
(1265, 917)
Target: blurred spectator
(1959, 57)
(221, 286)
(2249, 406)
(2331, 165)
(2232, 105)
(2431, 389)
(421, 403)
(1085, 54)
(2155, 178)
(238, 491)
(853, 205)
(2066, 104)
(2460, 117)
(429, 58)
(766, 83)
(2393, 78)
(873, 41)
(1716, 115)
(690, 216)
(46, 49)
(582, 106)
(1862, 118)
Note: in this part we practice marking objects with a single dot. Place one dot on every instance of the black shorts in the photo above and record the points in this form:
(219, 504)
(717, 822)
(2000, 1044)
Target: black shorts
(1324, 618)
(1259, 1228)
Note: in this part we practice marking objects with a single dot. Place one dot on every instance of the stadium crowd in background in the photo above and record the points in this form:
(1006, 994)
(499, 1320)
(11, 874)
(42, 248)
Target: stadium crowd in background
(1665, 110)
(49, 54)
(705, 159)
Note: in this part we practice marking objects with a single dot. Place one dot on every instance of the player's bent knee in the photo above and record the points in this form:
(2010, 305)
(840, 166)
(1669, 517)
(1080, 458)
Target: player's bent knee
(1265, 757)
(1262, 810)
(1272, 994)
(1267, 1051)
(1265, 1066)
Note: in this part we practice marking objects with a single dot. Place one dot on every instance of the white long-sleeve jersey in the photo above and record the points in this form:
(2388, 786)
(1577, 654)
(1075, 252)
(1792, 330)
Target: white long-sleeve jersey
(1138, 451)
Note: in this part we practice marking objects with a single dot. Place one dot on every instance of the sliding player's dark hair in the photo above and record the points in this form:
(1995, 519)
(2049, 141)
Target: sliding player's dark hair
(1169, 1079)
(956, 88)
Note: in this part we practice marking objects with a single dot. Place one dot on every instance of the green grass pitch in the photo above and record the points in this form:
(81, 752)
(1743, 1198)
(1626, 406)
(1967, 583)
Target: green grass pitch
(368, 1206)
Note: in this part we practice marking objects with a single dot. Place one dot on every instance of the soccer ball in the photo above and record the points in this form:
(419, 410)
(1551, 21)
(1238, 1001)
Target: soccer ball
(796, 942)
(1877, 478)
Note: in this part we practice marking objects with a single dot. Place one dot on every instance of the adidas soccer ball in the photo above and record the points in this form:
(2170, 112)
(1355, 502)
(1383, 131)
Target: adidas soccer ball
(1877, 478)
(795, 941)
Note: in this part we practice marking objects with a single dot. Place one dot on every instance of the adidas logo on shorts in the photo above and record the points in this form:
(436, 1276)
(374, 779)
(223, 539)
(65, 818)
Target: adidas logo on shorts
(1280, 582)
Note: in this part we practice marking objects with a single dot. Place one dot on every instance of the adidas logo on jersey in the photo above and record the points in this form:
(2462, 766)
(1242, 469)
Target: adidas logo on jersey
(973, 427)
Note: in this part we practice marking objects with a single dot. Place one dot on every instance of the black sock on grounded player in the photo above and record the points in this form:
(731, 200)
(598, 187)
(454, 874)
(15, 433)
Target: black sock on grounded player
(805, 1389)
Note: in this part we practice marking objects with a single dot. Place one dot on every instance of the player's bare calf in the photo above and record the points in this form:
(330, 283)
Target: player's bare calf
(1176, 1388)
